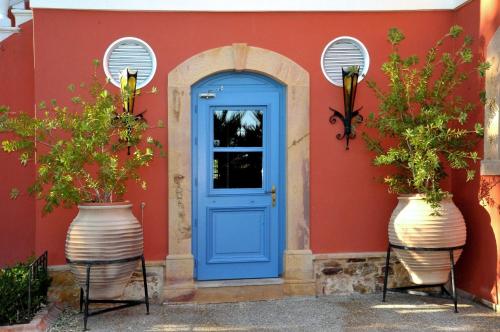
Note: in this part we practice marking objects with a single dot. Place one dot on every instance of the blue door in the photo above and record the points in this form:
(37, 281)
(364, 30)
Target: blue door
(238, 177)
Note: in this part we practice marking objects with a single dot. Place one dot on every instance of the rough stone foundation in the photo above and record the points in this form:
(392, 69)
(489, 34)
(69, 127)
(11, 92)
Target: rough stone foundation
(356, 273)
(334, 274)
(65, 290)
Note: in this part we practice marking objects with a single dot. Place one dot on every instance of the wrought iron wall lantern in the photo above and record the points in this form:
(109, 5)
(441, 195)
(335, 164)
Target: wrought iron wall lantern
(350, 83)
(128, 89)
(128, 86)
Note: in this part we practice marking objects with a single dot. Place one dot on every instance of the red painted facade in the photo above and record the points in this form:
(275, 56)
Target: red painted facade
(349, 210)
(335, 212)
(17, 224)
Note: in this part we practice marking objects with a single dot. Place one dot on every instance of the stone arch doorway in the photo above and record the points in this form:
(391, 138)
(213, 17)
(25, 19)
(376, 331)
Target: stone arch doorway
(298, 267)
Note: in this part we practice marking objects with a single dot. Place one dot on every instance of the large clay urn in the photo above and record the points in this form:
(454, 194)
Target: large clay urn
(104, 232)
(413, 225)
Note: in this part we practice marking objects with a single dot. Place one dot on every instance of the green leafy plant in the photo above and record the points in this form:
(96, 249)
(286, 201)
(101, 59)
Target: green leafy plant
(81, 153)
(421, 122)
(14, 293)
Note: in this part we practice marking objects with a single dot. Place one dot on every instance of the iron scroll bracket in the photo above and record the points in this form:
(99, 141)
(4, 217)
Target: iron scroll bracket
(444, 293)
(349, 132)
(84, 294)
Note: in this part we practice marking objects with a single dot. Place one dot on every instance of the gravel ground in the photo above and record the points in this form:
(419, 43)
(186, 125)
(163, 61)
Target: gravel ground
(401, 312)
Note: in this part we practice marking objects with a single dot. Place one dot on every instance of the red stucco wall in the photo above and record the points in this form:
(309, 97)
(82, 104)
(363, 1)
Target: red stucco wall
(478, 271)
(349, 210)
(17, 221)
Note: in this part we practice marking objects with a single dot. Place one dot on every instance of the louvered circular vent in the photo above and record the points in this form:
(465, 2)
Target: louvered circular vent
(344, 52)
(133, 53)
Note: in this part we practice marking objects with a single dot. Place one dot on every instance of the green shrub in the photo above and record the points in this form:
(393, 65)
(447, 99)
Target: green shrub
(84, 153)
(14, 283)
(422, 129)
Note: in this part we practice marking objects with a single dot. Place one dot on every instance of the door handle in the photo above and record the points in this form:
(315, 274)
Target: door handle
(273, 195)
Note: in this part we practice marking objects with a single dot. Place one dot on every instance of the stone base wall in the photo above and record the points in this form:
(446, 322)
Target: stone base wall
(356, 273)
(333, 274)
(64, 288)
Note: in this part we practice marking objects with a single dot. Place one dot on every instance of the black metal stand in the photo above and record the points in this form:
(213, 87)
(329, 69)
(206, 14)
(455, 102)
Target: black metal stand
(443, 291)
(84, 294)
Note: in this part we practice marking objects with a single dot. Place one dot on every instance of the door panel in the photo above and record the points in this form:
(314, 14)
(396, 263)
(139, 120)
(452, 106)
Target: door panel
(236, 161)
(238, 235)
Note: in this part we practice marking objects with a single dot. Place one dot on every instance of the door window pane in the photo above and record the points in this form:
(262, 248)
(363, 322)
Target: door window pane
(238, 127)
(237, 170)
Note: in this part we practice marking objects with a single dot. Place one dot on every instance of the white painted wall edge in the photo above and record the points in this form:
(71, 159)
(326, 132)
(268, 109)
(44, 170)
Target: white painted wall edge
(250, 5)
(493, 306)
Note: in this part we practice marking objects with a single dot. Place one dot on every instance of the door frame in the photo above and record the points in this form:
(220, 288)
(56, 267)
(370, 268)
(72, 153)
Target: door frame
(195, 89)
(297, 260)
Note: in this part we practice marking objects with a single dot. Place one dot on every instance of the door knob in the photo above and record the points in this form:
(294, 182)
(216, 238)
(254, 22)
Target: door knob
(273, 195)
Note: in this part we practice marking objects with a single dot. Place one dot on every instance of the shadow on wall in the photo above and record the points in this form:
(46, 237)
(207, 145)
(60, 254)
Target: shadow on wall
(479, 200)
(486, 195)
(477, 270)
(489, 196)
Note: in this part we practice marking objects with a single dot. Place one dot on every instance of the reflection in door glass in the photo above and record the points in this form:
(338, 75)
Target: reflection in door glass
(238, 127)
(237, 170)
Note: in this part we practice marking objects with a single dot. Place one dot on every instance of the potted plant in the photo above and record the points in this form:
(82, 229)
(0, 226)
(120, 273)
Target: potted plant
(422, 135)
(85, 157)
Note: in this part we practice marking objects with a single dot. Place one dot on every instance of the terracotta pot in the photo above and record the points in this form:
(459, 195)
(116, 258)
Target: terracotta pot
(100, 232)
(413, 225)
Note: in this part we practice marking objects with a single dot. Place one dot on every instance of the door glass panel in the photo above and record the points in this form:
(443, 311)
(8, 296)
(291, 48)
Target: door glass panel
(238, 127)
(237, 170)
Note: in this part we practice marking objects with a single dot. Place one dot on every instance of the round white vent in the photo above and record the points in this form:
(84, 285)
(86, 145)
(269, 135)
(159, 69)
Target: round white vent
(344, 52)
(133, 53)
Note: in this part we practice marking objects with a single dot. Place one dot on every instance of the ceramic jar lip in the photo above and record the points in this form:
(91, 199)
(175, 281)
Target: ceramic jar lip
(418, 196)
(109, 205)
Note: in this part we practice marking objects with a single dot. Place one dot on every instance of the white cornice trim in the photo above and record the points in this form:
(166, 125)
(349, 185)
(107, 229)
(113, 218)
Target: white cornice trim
(250, 5)
(22, 16)
(6, 32)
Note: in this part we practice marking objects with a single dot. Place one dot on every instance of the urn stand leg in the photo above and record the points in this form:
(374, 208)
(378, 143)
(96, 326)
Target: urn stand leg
(386, 274)
(410, 289)
(81, 300)
(453, 289)
(146, 297)
(120, 304)
(87, 290)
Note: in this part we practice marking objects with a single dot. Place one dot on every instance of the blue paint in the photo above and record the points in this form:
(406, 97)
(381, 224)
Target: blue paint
(237, 233)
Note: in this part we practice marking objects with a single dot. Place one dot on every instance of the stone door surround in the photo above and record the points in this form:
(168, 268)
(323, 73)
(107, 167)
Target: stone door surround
(298, 266)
